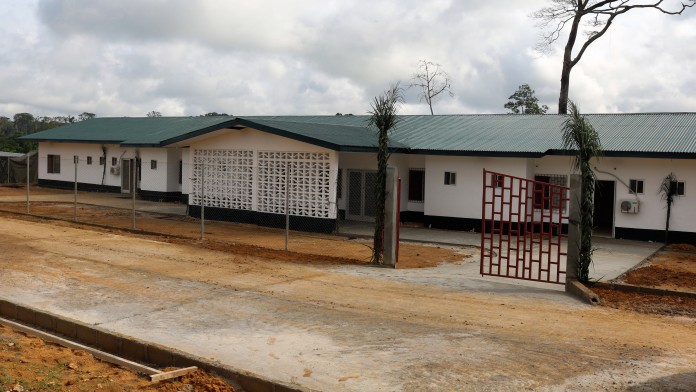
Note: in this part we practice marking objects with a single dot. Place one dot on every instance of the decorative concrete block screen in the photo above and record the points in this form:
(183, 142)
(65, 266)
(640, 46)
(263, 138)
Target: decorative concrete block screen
(228, 178)
(309, 184)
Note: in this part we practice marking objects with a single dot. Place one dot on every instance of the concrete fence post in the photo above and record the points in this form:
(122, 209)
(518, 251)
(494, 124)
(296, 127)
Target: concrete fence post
(202, 200)
(287, 204)
(75, 160)
(573, 229)
(391, 217)
(28, 180)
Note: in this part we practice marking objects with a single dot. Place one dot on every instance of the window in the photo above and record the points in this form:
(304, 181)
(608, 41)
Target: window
(636, 187)
(53, 164)
(102, 161)
(114, 161)
(677, 188)
(497, 180)
(416, 185)
(339, 184)
(544, 197)
(153, 164)
(89, 160)
(450, 178)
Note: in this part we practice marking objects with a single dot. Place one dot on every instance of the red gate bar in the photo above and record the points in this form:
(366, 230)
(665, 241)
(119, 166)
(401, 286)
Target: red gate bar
(522, 228)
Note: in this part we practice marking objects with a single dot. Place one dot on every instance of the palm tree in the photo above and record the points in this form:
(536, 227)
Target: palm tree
(668, 190)
(383, 117)
(579, 135)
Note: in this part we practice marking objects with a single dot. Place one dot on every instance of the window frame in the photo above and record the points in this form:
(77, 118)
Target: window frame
(544, 202)
(53, 164)
(153, 164)
(102, 161)
(636, 186)
(89, 160)
(451, 178)
(114, 161)
(677, 191)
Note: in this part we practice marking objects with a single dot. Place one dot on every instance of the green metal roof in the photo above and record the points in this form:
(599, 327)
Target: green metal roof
(135, 131)
(645, 134)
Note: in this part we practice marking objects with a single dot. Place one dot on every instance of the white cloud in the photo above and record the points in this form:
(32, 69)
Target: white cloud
(320, 57)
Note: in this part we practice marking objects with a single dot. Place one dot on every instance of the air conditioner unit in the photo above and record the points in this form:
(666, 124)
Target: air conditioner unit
(115, 170)
(630, 206)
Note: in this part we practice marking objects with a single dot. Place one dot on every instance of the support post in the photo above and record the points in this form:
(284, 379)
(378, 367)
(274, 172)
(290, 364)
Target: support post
(75, 160)
(28, 180)
(134, 179)
(573, 251)
(287, 204)
(202, 200)
(391, 217)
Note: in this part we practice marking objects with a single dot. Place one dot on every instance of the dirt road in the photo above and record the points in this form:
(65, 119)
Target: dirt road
(330, 330)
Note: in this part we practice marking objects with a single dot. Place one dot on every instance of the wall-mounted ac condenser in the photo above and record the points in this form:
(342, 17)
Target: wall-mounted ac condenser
(115, 170)
(630, 206)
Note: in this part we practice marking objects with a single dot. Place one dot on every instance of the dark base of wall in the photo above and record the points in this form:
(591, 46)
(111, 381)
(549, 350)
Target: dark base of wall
(675, 237)
(449, 223)
(412, 216)
(300, 223)
(162, 196)
(81, 186)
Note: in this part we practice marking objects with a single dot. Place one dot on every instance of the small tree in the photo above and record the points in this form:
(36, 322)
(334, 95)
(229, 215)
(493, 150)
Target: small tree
(86, 116)
(154, 114)
(432, 81)
(579, 135)
(383, 116)
(523, 101)
(668, 189)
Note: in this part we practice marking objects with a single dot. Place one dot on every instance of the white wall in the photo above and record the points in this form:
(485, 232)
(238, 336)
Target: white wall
(463, 200)
(652, 212)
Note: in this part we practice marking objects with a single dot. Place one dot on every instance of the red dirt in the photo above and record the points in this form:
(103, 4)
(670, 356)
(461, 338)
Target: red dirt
(668, 269)
(30, 364)
(645, 303)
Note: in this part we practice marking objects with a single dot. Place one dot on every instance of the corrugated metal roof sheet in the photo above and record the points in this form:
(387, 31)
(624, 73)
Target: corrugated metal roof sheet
(481, 134)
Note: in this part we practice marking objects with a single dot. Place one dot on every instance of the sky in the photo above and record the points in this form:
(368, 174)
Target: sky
(286, 57)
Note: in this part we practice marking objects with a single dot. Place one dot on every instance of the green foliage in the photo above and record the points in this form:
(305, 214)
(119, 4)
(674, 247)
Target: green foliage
(384, 117)
(523, 101)
(579, 135)
(215, 114)
(667, 191)
(154, 113)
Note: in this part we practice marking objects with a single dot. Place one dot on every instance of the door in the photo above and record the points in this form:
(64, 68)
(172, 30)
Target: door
(361, 195)
(126, 175)
(603, 217)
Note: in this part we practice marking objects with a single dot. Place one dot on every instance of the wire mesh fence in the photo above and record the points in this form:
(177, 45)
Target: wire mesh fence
(276, 200)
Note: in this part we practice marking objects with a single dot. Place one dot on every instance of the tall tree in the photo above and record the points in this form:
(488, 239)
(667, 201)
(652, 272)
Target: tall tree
(154, 113)
(86, 116)
(581, 137)
(668, 189)
(432, 81)
(24, 123)
(597, 17)
(523, 101)
(383, 116)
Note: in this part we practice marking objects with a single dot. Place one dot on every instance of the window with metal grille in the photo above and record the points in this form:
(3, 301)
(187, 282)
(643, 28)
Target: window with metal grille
(416, 185)
(636, 187)
(53, 164)
(450, 178)
(543, 198)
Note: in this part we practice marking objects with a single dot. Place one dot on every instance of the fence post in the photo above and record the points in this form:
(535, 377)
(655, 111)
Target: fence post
(202, 200)
(287, 203)
(28, 181)
(573, 251)
(134, 181)
(75, 160)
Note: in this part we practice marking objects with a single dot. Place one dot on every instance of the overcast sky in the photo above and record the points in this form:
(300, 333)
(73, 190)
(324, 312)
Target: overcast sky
(264, 57)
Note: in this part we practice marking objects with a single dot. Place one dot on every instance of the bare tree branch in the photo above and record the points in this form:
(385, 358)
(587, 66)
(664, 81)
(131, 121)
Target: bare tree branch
(432, 81)
(596, 17)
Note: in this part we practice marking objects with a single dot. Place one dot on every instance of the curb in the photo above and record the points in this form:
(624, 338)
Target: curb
(644, 290)
(582, 292)
(137, 350)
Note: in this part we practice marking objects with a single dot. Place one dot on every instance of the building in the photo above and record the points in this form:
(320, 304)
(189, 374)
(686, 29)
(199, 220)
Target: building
(238, 165)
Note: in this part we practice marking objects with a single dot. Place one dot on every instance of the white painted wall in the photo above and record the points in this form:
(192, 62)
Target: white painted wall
(462, 200)
(652, 213)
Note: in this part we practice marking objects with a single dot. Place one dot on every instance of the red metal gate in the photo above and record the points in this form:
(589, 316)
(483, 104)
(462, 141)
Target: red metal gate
(523, 228)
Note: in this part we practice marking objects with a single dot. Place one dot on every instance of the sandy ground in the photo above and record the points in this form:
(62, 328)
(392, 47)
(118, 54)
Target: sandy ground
(324, 329)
